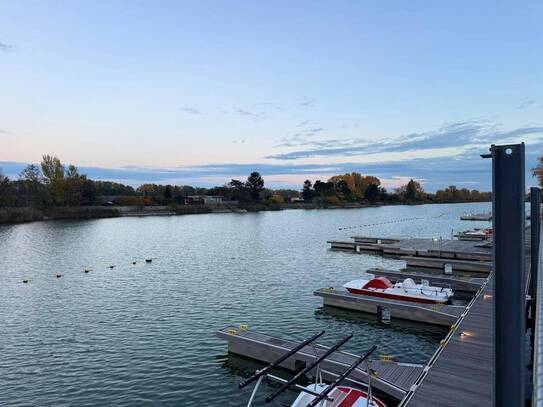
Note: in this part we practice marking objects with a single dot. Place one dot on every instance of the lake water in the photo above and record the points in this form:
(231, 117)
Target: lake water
(144, 334)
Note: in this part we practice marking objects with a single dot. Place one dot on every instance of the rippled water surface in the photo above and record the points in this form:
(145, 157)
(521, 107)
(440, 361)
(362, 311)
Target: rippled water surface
(144, 334)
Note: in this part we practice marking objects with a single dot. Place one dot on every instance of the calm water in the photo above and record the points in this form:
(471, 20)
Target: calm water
(145, 334)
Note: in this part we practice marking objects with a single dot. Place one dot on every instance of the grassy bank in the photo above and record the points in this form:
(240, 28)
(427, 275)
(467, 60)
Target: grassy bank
(21, 215)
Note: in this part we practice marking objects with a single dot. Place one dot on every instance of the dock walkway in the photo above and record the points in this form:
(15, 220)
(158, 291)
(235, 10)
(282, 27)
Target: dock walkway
(461, 371)
(445, 248)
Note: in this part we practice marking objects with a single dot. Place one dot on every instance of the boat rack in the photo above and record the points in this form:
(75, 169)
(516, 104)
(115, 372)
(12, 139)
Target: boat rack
(286, 384)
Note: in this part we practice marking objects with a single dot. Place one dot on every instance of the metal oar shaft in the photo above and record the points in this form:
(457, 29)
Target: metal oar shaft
(308, 368)
(278, 361)
(339, 379)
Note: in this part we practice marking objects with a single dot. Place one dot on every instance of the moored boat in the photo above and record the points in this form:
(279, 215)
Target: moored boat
(340, 397)
(406, 290)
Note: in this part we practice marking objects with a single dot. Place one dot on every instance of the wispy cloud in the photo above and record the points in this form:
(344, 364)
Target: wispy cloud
(190, 110)
(269, 105)
(6, 47)
(466, 169)
(526, 104)
(245, 112)
(306, 102)
(455, 135)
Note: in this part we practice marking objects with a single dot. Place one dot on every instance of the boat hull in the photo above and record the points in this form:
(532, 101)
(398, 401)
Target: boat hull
(399, 297)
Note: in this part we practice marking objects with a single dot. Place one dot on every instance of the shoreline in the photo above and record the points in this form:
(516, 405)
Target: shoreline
(12, 216)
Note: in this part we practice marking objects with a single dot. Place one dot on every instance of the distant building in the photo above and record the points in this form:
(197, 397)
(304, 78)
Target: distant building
(295, 199)
(203, 200)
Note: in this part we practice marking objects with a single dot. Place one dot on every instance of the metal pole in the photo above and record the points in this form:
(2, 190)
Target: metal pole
(508, 216)
(535, 227)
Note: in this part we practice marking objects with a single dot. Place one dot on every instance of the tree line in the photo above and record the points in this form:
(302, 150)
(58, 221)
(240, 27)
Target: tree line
(52, 184)
(355, 187)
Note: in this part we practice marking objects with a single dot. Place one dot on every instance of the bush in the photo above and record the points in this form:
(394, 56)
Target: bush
(330, 200)
(17, 215)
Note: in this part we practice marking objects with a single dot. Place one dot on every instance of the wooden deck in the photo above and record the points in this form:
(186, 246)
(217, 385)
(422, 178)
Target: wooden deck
(444, 315)
(461, 374)
(446, 248)
(393, 378)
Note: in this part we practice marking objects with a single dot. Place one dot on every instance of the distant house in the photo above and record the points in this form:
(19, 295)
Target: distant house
(295, 199)
(203, 200)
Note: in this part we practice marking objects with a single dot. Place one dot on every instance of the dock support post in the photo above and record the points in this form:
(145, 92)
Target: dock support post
(535, 227)
(508, 216)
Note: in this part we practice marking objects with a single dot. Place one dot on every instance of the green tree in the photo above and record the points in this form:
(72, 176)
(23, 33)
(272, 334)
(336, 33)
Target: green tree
(240, 191)
(53, 173)
(168, 192)
(343, 188)
(372, 192)
(73, 186)
(4, 190)
(34, 192)
(307, 191)
(413, 190)
(255, 185)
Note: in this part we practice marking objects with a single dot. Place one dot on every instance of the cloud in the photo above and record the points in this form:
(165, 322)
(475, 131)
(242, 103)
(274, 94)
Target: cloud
(526, 103)
(300, 138)
(6, 47)
(462, 134)
(270, 105)
(2, 131)
(467, 169)
(307, 102)
(244, 112)
(304, 123)
(190, 110)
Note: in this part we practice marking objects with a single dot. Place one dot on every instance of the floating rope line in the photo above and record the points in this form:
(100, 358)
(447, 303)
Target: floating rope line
(390, 222)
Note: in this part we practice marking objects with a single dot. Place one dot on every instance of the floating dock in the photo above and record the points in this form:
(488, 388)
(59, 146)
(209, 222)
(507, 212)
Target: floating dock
(466, 285)
(486, 217)
(393, 378)
(446, 248)
(435, 314)
(480, 267)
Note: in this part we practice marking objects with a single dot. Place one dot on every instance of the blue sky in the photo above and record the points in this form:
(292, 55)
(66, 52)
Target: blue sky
(200, 92)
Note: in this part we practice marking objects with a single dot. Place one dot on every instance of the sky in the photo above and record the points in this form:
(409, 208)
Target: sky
(199, 92)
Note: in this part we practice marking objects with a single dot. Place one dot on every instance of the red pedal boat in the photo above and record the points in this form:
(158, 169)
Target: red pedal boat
(406, 290)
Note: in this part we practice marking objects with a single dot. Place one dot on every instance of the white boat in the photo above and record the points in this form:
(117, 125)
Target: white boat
(340, 396)
(406, 290)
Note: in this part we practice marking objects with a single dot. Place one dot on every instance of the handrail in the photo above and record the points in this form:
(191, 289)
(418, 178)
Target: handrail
(537, 395)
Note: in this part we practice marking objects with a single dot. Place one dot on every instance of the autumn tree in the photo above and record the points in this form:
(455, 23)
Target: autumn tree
(537, 171)
(53, 174)
(413, 190)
